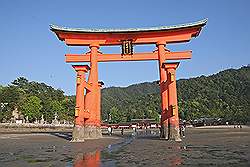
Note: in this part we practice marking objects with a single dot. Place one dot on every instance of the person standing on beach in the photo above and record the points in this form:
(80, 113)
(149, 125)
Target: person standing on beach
(122, 131)
(183, 128)
(109, 130)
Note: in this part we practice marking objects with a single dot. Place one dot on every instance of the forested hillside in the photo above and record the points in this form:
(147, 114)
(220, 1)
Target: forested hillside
(135, 101)
(225, 95)
(35, 99)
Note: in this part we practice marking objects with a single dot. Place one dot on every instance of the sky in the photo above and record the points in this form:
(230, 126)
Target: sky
(28, 48)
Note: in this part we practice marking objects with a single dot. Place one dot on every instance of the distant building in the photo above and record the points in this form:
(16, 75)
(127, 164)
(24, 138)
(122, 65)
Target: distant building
(135, 123)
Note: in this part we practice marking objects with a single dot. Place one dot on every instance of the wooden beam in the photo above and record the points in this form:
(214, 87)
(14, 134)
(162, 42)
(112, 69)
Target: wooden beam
(70, 58)
(145, 40)
(148, 37)
(178, 55)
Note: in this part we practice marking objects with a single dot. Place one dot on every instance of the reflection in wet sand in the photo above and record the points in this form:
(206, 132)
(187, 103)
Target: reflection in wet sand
(106, 157)
(88, 160)
(175, 161)
(102, 158)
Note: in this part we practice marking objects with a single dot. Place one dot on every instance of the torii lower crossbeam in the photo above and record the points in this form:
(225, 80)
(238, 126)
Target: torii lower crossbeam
(135, 57)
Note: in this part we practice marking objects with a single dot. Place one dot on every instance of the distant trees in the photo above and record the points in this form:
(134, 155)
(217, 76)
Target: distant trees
(35, 99)
(225, 95)
(10, 98)
(114, 115)
(31, 107)
(136, 101)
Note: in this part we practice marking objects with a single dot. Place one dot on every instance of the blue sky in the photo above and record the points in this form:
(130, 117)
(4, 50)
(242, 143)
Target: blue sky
(28, 48)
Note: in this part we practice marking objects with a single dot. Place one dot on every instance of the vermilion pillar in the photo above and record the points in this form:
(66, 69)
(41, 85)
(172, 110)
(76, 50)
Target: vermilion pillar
(163, 89)
(80, 114)
(92, 130)
(172, 101)
(98, 106)
(80, 83)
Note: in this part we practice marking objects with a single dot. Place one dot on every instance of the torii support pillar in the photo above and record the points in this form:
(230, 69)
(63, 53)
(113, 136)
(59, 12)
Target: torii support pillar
(92, 104)
(163, 89)
(174, 130)
(80, 114)
(98, 110)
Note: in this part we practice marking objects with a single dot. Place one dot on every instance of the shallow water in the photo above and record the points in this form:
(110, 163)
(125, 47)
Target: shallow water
(100, 158)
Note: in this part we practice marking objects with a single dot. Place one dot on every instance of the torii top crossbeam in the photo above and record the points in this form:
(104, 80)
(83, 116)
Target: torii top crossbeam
(169, 34)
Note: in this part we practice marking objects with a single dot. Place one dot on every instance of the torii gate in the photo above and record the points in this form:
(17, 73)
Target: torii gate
(88, 93)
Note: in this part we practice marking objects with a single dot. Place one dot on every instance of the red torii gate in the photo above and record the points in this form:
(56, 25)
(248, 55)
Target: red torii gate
(88, 93)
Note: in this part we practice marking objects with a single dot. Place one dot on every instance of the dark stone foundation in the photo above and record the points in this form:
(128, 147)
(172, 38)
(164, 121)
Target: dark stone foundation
(174, 133)
(80, 133)
(164, 133)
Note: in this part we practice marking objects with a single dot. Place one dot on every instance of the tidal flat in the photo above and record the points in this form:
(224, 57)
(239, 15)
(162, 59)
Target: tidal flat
(200, 147)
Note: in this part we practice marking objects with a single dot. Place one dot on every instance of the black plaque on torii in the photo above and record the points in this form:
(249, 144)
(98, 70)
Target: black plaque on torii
(127, 47)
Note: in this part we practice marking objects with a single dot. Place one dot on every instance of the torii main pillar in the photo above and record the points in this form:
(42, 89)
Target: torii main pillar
(92, 100)
(172, 116)
(88, 100)
(80, 113)
(163, 89)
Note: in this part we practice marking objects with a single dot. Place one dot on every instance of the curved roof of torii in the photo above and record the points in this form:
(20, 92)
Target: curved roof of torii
(166, 34)
(129, 30)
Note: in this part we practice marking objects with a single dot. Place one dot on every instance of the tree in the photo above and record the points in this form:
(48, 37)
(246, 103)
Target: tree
(32, 107)
(69, 108)
(56, 107)
(115, 115)
(20, 82)
(11, 96)
(1, 89)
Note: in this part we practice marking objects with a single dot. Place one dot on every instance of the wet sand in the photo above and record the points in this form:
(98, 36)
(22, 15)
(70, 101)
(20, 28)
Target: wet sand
(43, 149)
(200, 147)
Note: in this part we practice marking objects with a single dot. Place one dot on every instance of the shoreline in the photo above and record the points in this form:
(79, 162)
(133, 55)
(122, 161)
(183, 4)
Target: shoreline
(220, 127)
(47, 128)
(34, 128)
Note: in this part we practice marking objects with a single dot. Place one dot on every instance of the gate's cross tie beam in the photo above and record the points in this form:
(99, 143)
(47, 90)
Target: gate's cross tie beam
(70, 58)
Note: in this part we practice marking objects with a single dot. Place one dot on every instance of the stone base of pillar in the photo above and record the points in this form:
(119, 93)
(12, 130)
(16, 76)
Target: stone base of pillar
(80, 133)
(174, 133)
(164, 131)
(92, 132)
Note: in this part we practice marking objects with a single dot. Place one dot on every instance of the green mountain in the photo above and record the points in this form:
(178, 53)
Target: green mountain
(225, 95)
